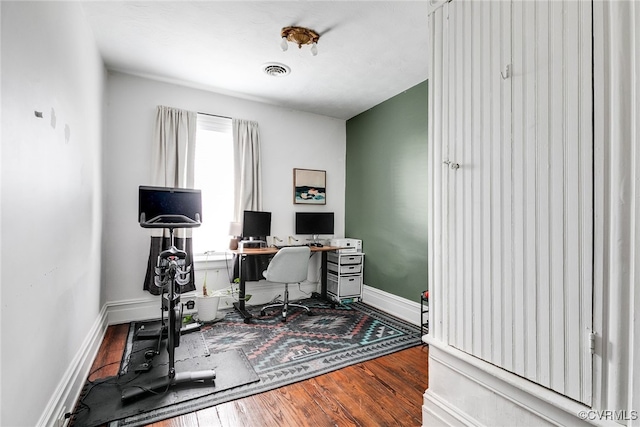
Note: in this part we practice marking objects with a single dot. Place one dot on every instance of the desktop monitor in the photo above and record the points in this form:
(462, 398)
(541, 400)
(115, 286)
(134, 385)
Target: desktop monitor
(162, 205)
(256, 224)
(314, 223)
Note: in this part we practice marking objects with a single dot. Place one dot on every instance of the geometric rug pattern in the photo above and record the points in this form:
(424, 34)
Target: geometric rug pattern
(303, 347)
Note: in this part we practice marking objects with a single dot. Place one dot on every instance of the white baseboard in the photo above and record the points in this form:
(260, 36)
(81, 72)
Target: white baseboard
(437, 412)
(466, 391)
(262, 293)
(68, 390)
(149, 308)
(397, 306)
(132, 310)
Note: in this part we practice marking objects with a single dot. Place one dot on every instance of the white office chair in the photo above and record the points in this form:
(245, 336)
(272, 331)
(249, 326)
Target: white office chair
(289, 265)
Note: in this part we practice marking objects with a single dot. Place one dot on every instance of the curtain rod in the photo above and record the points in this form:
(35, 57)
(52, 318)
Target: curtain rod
(215, 115)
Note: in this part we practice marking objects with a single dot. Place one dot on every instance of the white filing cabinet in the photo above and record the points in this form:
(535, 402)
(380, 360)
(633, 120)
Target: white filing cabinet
(344, 276)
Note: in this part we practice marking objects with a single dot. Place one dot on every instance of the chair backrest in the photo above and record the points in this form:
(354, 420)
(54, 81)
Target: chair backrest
(289, 265)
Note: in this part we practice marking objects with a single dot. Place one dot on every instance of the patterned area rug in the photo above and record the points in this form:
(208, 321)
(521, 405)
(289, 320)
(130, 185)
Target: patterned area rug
(303, 347)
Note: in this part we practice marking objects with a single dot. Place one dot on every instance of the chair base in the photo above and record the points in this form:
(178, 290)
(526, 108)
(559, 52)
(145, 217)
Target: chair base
(285, 306)
(285, 309)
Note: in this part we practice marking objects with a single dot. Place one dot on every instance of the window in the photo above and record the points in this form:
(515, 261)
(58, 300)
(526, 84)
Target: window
(214, 176)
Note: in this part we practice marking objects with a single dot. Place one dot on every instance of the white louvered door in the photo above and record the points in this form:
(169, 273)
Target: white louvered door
(511, 228)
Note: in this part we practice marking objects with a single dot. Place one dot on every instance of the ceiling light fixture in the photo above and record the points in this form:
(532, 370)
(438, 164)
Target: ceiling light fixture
(299, 36)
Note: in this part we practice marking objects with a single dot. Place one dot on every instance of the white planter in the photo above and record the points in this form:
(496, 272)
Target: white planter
(207, 307)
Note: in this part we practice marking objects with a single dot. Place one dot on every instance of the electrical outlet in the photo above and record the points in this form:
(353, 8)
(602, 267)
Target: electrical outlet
(186, 303)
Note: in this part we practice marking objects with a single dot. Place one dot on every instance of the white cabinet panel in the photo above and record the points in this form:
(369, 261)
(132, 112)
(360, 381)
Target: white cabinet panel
(511, 187)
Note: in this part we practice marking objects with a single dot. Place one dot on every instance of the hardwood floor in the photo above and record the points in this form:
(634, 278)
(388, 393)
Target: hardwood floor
(386, 391)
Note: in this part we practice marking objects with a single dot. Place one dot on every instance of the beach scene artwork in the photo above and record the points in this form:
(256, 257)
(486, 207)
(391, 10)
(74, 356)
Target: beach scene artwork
(309, 186)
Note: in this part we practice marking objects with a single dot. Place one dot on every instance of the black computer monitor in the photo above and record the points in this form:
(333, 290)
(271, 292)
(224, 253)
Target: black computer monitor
(314, 223)
(256, 224)
(166, 205)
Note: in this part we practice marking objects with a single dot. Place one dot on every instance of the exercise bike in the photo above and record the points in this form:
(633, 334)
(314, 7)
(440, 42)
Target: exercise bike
(168, 209)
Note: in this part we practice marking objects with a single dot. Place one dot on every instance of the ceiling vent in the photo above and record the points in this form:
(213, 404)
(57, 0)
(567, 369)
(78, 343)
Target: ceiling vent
(275, 69)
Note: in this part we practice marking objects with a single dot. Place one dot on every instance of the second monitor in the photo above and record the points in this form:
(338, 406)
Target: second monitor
(314, 224)
(256, 225)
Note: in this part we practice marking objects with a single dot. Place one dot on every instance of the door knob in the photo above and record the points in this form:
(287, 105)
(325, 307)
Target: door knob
(451, 165)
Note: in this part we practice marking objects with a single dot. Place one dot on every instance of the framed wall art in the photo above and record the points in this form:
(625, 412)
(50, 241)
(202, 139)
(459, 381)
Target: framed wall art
(309, 187)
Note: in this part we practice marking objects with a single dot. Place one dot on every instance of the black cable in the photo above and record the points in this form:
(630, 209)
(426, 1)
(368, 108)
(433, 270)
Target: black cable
(148, 390)
(111, 380)
(100, 368)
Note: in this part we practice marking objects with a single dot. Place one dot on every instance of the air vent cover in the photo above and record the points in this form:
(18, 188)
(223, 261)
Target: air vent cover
(275, 69)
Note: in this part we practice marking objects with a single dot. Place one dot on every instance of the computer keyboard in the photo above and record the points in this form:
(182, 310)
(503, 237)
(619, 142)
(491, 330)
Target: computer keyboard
(288, 246)
(318, 245)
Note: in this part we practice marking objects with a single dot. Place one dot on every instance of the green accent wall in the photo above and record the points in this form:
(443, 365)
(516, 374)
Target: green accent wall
(386, 192)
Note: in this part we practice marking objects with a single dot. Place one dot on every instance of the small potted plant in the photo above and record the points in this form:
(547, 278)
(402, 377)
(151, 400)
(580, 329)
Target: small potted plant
(208, 301)
(207, 304)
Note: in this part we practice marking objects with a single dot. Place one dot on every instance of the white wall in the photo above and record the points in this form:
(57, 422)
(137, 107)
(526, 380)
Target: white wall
(51, 200)
(289, 139)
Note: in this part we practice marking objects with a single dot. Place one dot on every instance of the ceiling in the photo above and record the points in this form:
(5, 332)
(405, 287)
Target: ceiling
(368, 51)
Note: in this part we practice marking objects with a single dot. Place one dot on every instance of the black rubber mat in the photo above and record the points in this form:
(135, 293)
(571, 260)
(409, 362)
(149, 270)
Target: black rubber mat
(101, 400)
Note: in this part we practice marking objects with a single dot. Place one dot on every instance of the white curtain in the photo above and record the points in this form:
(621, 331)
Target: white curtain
(173, 157)
(174, 147)
(247, 168)
(247, 187)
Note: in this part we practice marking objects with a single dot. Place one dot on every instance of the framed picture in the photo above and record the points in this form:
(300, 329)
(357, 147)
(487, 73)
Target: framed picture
(309, 187)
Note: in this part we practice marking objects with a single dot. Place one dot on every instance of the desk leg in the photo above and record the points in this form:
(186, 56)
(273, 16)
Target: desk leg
(323, 276)
(239, 306)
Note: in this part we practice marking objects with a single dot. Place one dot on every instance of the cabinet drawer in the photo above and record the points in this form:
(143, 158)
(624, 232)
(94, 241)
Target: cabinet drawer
(343, 259)
(349, 285)
(344, 268)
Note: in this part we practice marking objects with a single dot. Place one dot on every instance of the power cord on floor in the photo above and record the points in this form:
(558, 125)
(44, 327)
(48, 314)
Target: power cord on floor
(111, 380)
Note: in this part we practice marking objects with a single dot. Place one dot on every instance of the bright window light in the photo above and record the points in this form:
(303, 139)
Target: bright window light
(214, 176)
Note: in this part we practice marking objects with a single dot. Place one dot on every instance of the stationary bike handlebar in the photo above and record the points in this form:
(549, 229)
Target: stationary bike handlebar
(170, 221)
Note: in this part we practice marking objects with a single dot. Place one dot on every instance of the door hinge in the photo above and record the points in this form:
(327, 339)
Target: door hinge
(592, 342)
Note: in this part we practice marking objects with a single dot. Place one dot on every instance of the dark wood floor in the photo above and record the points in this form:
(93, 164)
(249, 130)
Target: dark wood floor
(386, 391)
